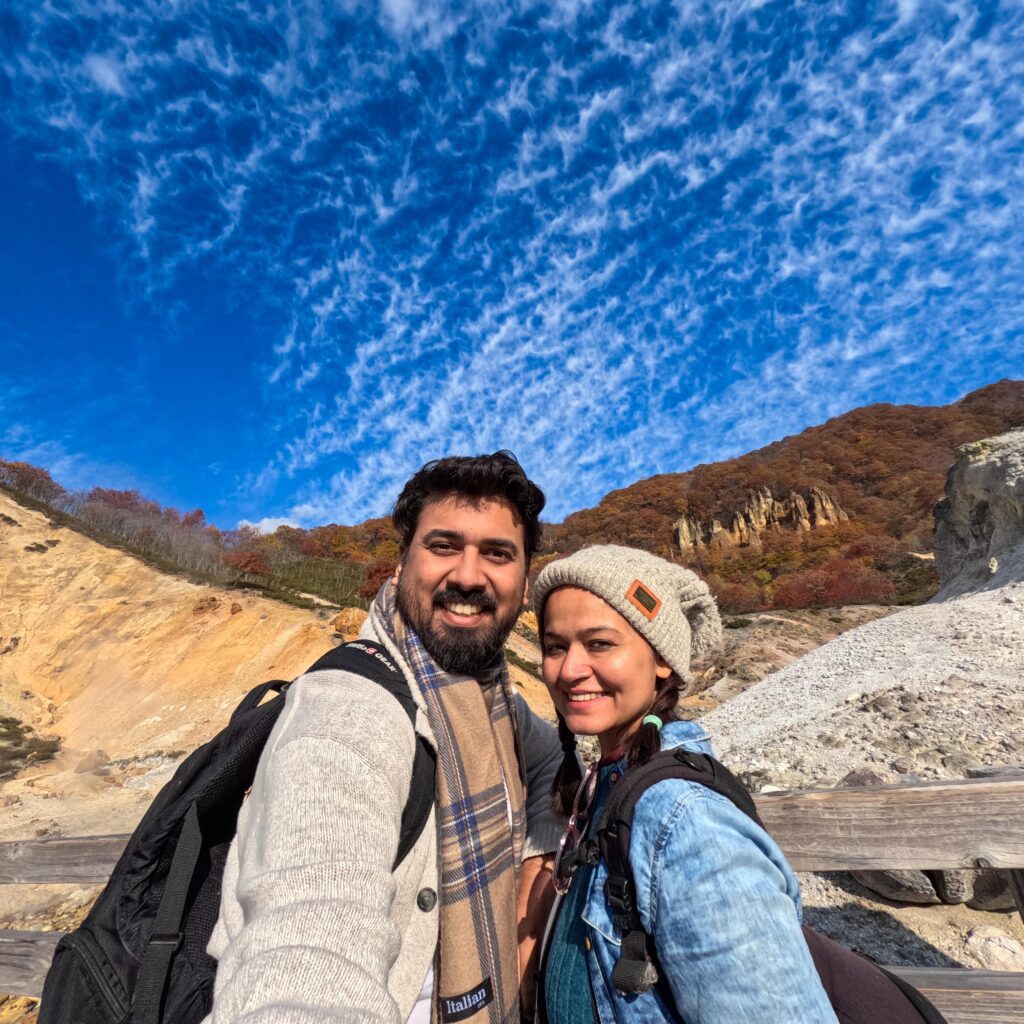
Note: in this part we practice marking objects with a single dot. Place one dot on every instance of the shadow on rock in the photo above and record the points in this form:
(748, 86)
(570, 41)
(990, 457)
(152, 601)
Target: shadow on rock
(877, 935)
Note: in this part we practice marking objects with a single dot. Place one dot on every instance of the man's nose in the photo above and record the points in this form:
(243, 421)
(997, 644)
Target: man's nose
(467, 573)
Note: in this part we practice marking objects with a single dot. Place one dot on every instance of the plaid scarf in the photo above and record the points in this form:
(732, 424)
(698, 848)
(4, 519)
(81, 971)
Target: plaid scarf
(479, 789)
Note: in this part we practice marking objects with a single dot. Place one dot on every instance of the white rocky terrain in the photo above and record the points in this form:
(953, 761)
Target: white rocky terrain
(931, 692)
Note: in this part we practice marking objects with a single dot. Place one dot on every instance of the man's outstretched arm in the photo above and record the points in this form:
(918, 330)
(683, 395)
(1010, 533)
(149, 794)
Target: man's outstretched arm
(305, 932)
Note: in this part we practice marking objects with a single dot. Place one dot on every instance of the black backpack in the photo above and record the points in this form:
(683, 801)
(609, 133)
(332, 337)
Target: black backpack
(140, 955)
(860, 991)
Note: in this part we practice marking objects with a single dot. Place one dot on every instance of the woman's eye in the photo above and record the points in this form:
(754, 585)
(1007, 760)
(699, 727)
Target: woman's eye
(551, 650)
(599, 645)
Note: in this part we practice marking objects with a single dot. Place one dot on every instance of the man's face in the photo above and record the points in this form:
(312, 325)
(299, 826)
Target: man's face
(463, 580)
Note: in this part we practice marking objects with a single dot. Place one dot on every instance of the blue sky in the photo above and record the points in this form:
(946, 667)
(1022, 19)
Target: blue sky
(268, 259)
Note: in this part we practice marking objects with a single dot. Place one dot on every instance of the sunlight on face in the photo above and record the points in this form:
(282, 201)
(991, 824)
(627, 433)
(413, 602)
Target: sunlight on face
(600, 671)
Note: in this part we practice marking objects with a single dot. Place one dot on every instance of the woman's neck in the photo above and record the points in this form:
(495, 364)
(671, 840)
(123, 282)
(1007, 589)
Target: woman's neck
(614, 741)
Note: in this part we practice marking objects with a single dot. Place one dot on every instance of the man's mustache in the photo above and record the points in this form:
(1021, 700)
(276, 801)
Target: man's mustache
(453, 595)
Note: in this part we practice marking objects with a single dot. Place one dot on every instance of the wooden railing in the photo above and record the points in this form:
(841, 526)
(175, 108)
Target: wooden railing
(972, 824)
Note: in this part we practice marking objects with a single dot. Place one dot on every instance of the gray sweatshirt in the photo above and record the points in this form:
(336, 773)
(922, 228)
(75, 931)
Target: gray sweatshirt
(313, 925)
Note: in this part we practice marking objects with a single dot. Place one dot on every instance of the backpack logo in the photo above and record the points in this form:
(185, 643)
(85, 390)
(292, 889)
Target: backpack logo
(373, 652)
(647, 603)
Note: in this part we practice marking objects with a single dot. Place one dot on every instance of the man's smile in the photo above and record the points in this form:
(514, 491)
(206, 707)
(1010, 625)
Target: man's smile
(463, 616)
(463, 611)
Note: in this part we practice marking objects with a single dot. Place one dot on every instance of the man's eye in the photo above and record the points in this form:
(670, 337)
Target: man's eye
(499, 555)
(441, 547)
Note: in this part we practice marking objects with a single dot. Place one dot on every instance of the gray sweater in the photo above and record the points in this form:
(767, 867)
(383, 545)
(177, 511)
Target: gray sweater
(313, 925)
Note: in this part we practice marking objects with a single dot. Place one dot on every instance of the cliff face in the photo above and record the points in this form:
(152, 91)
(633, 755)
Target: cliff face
(979, 524)
(760, 513)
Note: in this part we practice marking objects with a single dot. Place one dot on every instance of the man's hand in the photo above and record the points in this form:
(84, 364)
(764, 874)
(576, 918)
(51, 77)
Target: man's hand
(536, 894)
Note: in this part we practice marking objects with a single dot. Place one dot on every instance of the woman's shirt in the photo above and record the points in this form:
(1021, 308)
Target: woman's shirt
(721, 903)
(567, 989)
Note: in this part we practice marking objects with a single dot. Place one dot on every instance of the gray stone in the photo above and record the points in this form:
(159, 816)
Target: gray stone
(863, 777)
(995, 950)
(953, 886)
(901, 886)
(994, 771)
(991, 892)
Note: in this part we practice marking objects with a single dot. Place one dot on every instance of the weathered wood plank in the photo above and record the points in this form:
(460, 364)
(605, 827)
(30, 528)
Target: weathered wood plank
(75, 860)
(942, 825)
(24, 960)
(963, 996)
(969, 996)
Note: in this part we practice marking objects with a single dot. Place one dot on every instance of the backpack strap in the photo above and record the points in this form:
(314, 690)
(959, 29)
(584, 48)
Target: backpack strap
(167, 934)
(636, 970)
(365, 658)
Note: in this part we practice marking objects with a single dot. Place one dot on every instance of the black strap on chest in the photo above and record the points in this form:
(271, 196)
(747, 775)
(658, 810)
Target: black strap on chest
(636, 970)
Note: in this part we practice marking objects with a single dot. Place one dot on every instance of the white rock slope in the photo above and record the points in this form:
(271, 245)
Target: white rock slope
(930, 690)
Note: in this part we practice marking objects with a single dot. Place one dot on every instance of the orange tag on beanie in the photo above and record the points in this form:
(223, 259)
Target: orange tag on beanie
(641, 597)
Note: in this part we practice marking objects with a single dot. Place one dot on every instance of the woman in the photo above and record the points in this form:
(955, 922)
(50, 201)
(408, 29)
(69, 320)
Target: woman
(618, 629)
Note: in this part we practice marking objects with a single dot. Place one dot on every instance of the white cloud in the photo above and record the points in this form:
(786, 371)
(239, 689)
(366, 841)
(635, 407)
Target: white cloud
(268, 524)
(106, 72)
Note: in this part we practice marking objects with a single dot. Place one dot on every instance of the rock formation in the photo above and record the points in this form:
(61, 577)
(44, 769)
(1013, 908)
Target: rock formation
(761, 512)
(979, 524)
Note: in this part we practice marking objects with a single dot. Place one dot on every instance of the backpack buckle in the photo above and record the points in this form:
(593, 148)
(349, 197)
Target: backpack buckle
(697, 762)
(620, 895)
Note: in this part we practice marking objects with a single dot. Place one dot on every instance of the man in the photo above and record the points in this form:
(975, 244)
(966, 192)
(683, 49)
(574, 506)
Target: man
(315, 926)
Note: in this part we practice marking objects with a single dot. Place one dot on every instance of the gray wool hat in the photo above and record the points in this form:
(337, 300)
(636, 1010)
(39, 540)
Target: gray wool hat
(669, 606)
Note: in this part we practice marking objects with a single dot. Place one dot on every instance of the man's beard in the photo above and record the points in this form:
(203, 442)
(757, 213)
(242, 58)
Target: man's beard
(465, 652)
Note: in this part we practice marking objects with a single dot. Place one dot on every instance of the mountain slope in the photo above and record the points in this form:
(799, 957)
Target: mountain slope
(106, 653)
(883, 465)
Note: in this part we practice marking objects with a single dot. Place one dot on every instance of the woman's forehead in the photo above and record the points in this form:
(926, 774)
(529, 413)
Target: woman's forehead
(576, 609)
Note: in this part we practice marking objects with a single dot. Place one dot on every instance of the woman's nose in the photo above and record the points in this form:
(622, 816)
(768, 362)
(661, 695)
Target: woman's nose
(574, 666)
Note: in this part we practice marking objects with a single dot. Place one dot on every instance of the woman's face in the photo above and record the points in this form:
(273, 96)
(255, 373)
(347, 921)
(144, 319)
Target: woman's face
(600, 671)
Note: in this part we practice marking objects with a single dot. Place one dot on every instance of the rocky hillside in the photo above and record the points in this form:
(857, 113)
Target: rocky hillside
(839, 514)
(926, 693)
(760, 515)
(831, 516)
(124, 667)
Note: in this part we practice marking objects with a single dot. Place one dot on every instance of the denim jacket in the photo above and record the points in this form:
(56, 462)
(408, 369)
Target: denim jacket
(723, 907)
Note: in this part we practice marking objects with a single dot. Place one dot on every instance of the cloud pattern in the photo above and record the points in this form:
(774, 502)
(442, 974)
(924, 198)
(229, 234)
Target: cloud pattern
(618, 238)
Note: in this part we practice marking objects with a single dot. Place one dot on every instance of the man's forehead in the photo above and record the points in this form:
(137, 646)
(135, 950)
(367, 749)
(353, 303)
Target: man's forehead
(458, 513)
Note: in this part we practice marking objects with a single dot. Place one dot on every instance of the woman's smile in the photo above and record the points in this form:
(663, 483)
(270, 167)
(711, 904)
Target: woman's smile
(582, 698)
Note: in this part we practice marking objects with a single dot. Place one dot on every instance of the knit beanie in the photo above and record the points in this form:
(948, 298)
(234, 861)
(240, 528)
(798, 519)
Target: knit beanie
(669, 606)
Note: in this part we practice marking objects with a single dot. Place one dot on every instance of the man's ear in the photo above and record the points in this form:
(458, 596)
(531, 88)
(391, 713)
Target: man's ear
(398, 568)
(526, 593)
